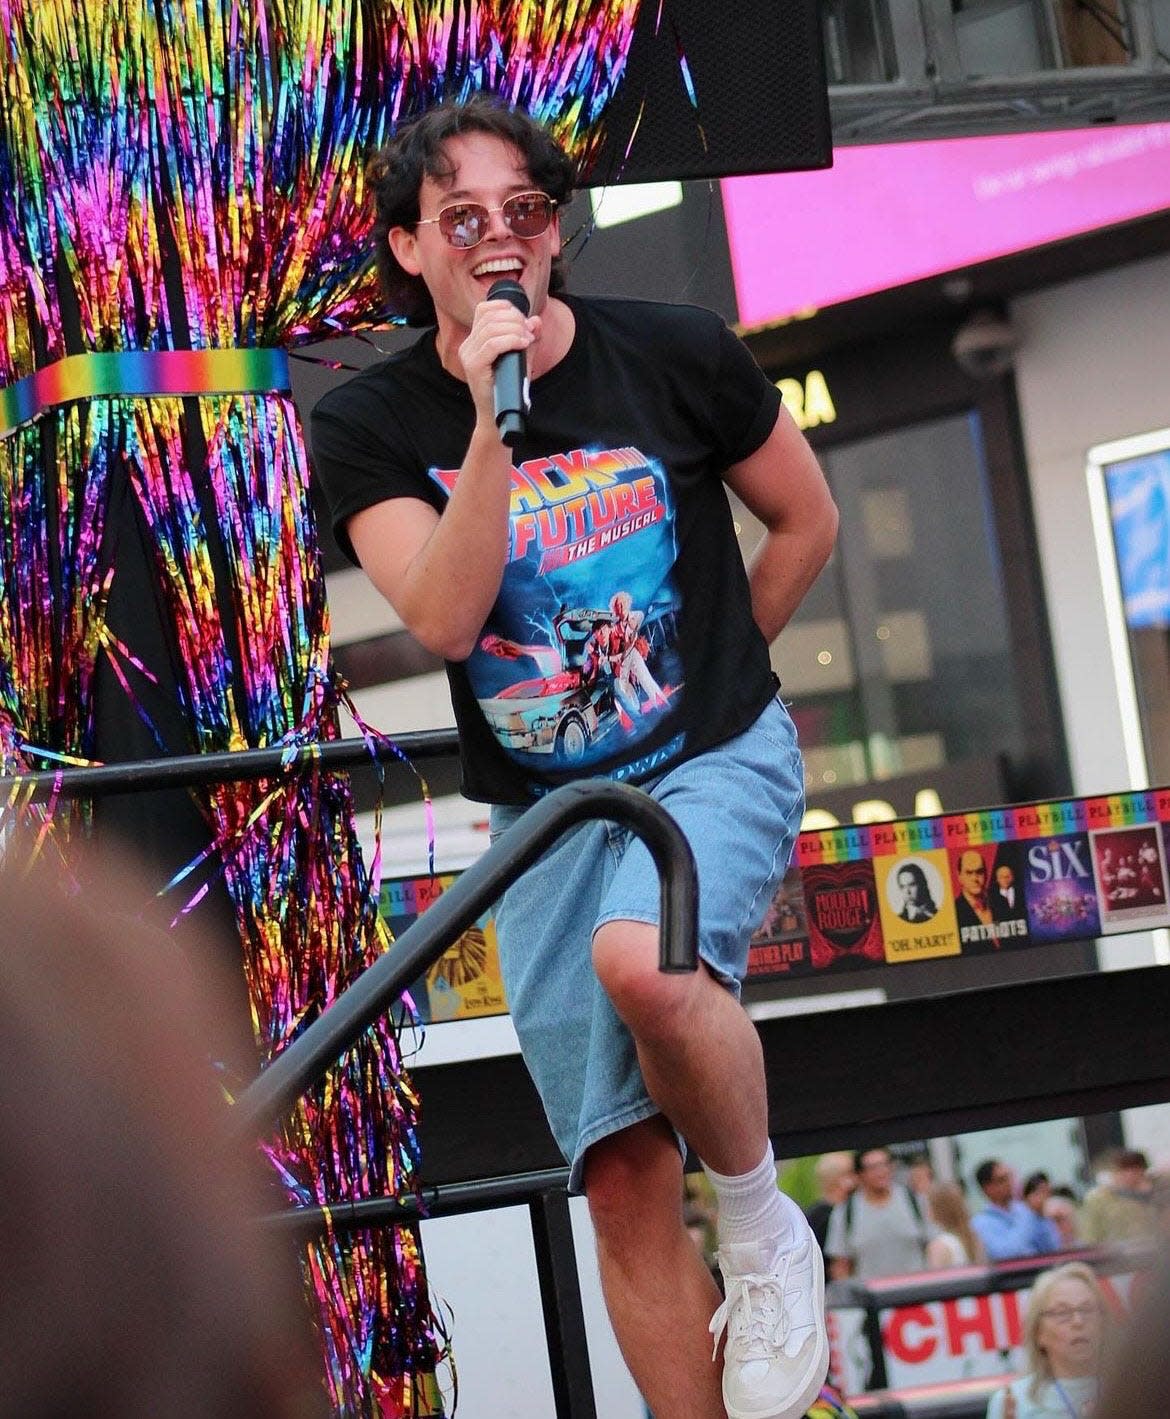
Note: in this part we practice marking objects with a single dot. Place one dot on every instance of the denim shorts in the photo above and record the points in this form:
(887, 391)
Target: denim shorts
(740, 806)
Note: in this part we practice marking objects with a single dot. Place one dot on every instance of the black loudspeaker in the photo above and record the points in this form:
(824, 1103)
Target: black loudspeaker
(714, 88)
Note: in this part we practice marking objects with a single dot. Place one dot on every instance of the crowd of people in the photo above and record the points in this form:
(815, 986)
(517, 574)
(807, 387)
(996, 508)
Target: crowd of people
(879, 1215)
(876, 1217)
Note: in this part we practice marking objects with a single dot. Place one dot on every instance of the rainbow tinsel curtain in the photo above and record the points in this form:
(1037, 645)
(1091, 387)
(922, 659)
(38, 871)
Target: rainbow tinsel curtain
(187, 175)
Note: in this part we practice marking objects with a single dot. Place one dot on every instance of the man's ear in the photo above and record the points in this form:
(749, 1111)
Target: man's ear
(404, 248)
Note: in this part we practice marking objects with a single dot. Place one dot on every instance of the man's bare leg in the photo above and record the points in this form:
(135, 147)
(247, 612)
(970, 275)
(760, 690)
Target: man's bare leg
(659, 1293)
(703, 1066)
(700, 1054)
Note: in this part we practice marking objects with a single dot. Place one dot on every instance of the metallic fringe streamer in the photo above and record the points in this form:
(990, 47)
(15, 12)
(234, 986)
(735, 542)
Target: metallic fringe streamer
(291, 860)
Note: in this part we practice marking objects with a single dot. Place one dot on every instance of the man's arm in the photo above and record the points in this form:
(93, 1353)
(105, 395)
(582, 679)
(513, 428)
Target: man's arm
(983, 1225)
(782, 484)
(1000, 1235)
(442, 574)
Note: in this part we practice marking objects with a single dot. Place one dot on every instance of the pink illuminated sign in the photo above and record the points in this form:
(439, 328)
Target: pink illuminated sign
(886, 215)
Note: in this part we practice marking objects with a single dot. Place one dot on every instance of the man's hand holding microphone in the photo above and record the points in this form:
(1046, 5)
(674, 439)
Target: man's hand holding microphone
(494, 357)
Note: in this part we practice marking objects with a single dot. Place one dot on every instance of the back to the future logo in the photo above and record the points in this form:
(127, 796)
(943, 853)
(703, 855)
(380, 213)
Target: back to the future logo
(569, 506)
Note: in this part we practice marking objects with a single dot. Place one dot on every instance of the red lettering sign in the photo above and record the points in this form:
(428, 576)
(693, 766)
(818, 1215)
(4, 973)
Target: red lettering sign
(969, 1315)
(910, 1335)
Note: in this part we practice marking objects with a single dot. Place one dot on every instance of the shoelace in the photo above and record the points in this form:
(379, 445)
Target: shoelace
(766, 1322)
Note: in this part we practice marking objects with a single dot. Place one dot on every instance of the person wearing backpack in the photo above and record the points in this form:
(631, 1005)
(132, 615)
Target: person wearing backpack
(879, 1229)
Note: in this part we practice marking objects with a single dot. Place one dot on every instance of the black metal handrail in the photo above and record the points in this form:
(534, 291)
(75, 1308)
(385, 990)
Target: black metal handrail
(308, 1057)
(450, 1200)
(227, 766)
(376, 990)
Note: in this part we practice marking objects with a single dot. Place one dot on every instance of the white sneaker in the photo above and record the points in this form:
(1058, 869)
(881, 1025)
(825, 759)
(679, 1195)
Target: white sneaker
(777, 1352)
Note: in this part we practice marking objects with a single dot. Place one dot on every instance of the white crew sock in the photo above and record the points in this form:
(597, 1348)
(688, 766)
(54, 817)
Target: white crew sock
(751, 1207)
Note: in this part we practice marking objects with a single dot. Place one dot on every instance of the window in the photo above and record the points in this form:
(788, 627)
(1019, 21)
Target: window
(900, 660)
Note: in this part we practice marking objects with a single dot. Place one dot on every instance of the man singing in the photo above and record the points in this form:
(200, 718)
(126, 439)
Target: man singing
(612, 497)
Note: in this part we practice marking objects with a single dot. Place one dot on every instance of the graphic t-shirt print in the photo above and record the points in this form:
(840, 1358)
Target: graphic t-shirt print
(579, 660)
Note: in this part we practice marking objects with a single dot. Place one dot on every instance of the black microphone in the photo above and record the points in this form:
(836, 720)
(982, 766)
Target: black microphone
(509, 375)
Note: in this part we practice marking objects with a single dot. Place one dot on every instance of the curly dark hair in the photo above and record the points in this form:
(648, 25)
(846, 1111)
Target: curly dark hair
(396, 172)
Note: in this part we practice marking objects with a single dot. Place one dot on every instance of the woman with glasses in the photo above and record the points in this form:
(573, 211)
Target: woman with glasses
(610, 491)
(1064, 1333)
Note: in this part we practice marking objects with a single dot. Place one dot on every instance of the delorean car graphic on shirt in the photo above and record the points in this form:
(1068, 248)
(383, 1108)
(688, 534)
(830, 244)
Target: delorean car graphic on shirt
(579, 659)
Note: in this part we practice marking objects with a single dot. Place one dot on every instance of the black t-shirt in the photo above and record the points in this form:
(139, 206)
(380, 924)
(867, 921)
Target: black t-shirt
(622, 639)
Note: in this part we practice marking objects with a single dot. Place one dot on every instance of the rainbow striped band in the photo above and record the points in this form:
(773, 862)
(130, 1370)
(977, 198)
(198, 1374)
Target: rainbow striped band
(136, 374)
(854, 842)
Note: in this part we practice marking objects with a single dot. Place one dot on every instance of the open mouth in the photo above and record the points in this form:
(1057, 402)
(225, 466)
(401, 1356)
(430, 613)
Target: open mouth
(497, 268)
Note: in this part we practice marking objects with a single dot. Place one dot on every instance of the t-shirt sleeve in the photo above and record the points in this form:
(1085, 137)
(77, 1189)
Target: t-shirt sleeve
(745, 402)
(835, 1244)
(360, 456)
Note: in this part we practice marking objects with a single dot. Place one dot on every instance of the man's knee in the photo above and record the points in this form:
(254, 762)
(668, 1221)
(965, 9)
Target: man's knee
(651, 1002)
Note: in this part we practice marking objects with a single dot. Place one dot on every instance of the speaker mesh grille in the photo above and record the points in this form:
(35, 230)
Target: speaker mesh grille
(761, 101)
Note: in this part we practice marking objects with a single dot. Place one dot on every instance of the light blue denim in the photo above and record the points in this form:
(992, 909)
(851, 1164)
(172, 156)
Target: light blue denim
(740, 807)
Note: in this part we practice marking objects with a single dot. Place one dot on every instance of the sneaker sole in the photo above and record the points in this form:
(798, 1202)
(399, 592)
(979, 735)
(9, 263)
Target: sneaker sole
(817, 1370)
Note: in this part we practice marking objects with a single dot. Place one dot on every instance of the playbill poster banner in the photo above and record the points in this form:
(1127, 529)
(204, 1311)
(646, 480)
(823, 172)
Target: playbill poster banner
(874, 894)
(964, 884)
(464, 983)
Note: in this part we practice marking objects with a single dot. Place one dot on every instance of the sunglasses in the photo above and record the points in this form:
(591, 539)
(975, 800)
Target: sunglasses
(465, 224)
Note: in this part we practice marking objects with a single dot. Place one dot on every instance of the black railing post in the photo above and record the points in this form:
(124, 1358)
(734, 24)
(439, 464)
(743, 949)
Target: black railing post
(564, 1316)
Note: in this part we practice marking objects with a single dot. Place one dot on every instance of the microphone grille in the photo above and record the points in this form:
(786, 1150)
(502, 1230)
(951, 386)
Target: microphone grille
(511, 291)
